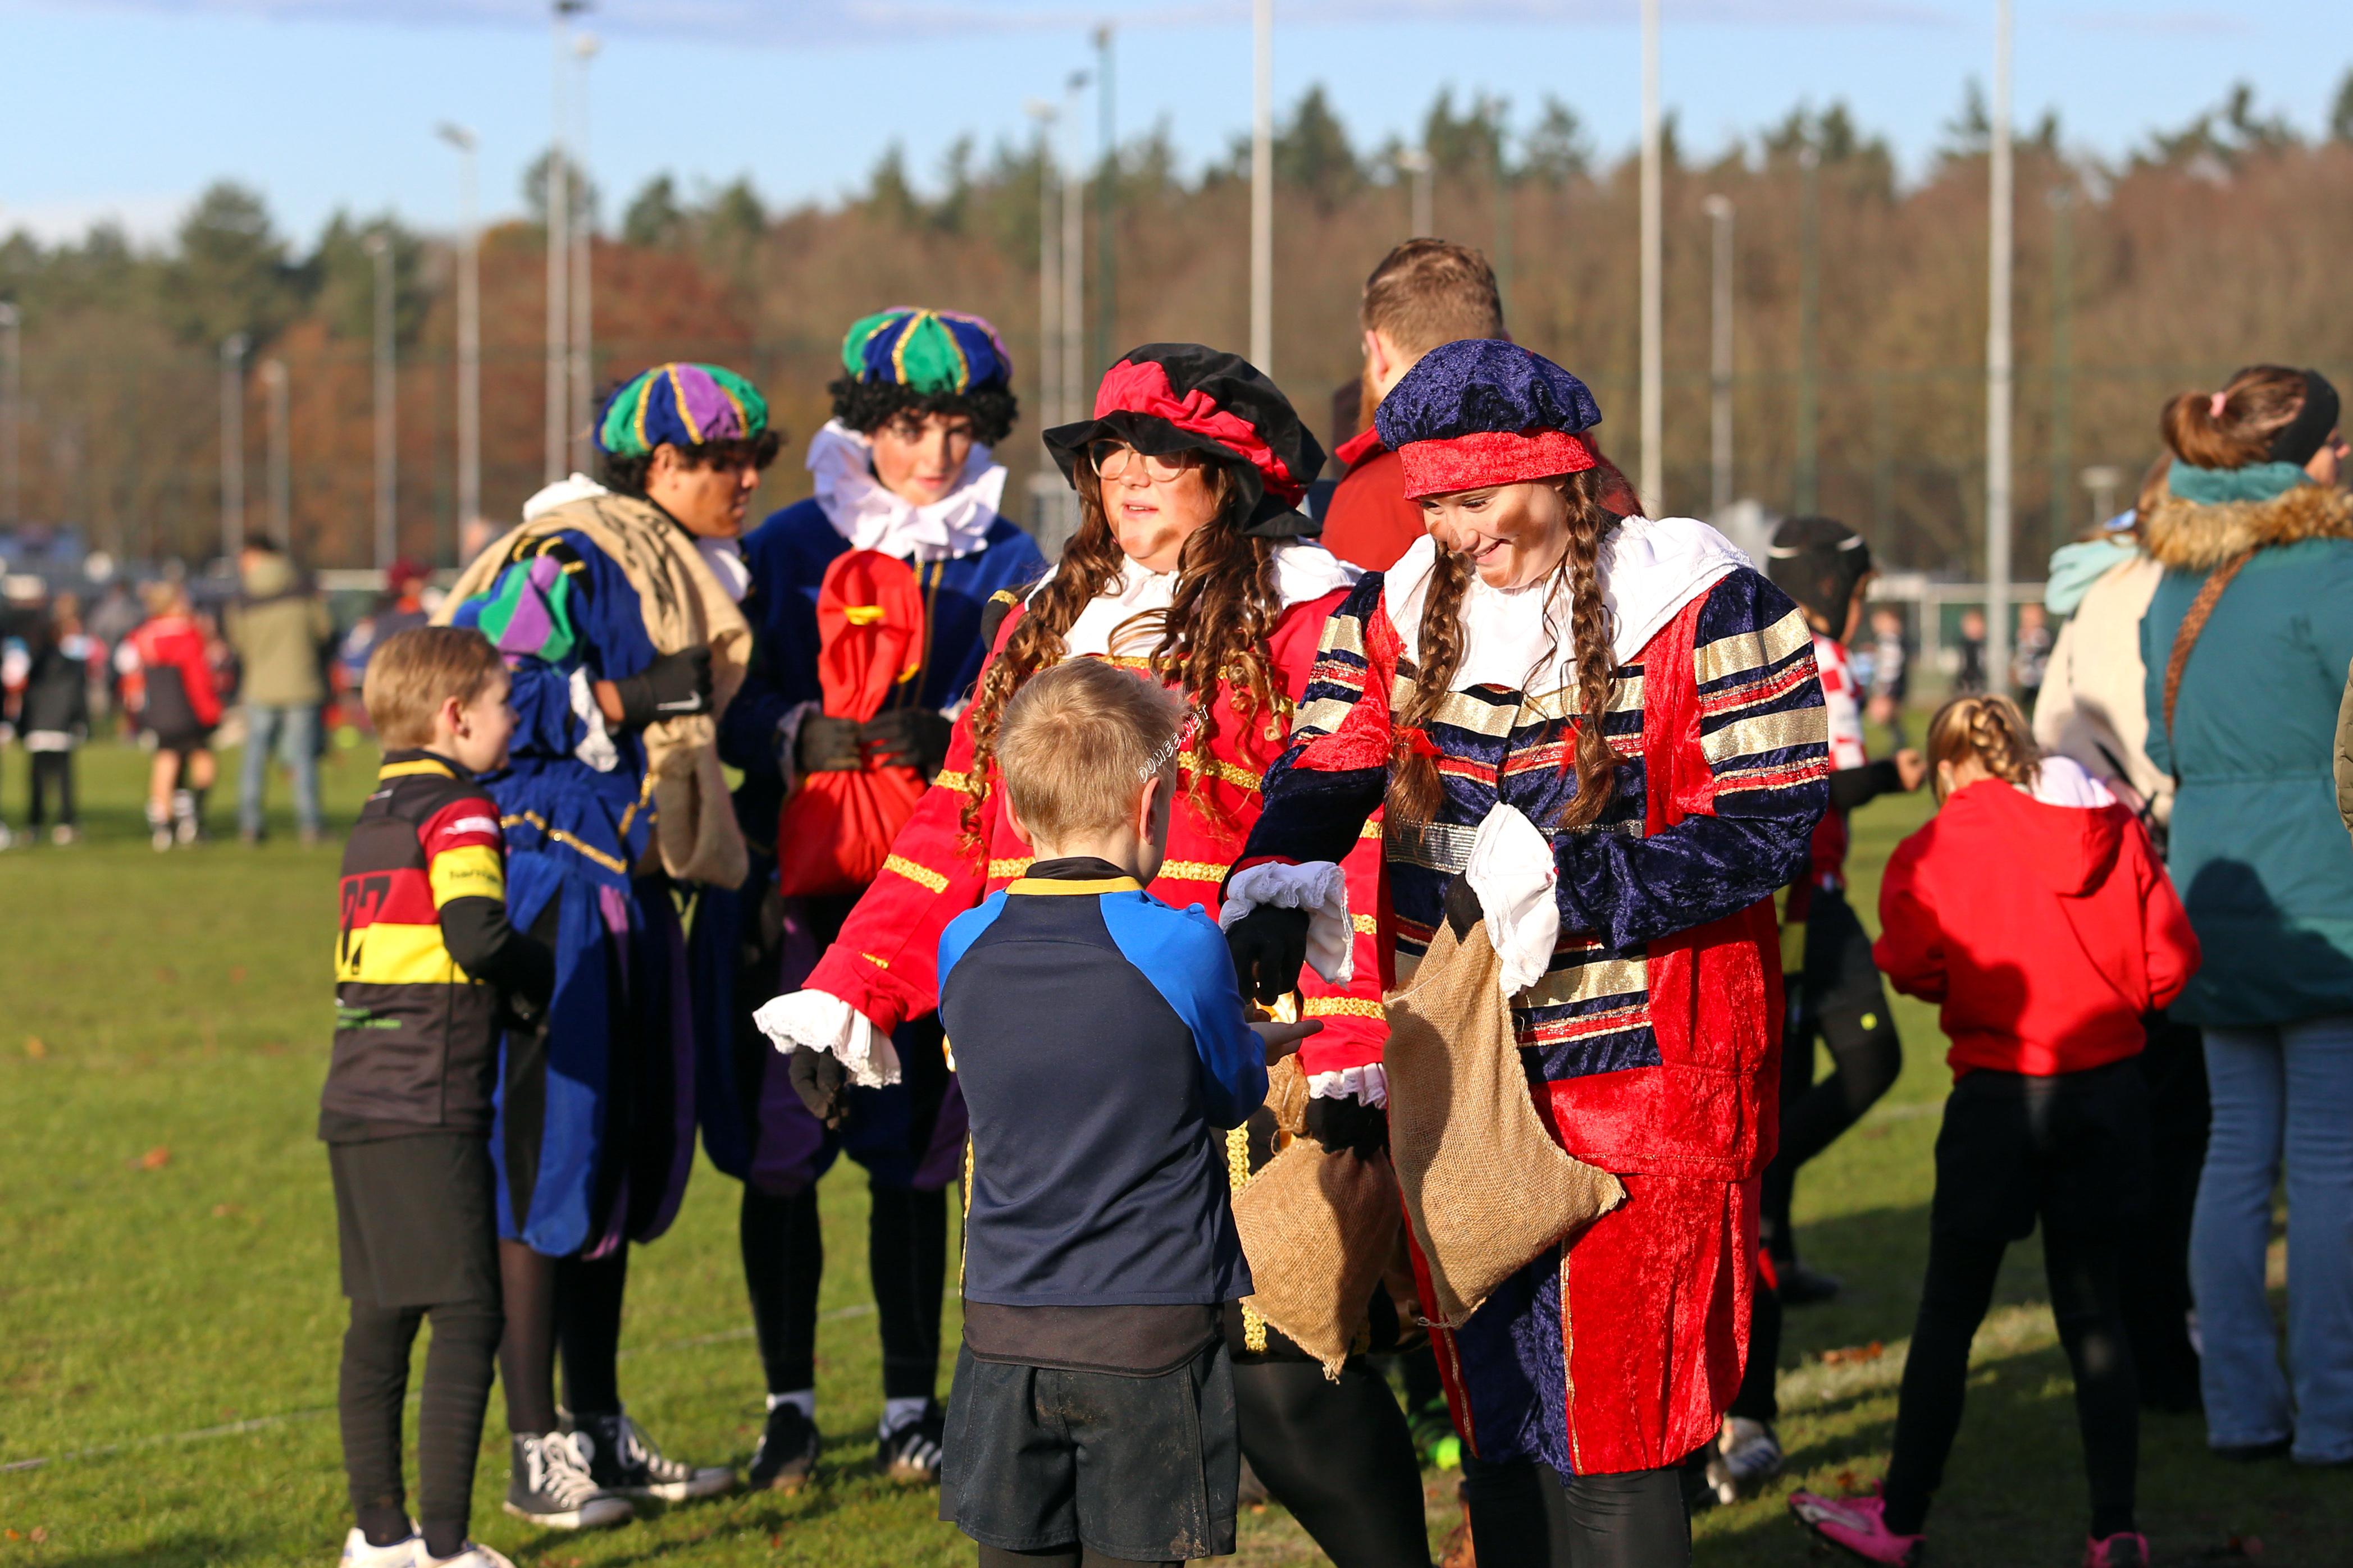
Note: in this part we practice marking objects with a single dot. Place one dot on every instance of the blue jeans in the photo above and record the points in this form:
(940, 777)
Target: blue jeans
(2283, 1095)
(294, 734)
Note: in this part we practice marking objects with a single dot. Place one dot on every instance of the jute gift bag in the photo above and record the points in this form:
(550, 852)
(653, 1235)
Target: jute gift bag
(1317, 1228)
(1486, 1189)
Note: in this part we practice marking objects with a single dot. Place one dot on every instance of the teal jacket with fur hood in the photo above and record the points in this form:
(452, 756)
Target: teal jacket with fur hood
(2258, 853)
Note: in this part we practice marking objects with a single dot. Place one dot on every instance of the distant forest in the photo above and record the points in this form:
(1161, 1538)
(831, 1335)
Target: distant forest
(1859, 388)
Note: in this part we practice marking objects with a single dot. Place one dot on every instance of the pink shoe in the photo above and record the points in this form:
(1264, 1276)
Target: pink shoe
(2126, 1549)
(1858, 1524)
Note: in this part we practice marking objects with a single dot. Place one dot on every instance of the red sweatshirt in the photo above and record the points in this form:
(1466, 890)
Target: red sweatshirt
(2045, 931)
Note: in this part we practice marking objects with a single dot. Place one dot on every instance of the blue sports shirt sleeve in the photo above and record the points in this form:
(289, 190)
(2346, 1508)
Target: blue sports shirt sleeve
(1184, 955)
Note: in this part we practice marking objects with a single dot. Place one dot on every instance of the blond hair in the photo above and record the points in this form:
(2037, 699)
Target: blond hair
(416, 670)
(1431, 292)
(1991, 729)
(1078, 740)
(163, 597)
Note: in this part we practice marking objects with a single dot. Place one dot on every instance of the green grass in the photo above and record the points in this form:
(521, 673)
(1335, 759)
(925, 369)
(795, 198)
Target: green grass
(167, 1271)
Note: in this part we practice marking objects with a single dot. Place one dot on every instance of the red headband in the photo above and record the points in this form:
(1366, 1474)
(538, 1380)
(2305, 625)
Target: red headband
(1142, 386)
(1484, 457)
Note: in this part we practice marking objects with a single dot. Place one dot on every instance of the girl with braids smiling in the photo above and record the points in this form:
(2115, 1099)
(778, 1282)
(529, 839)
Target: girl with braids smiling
(1602, 736)
(1187, 568)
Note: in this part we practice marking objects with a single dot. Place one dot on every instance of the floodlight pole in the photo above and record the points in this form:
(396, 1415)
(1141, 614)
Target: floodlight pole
(1653, 420)
(232, 452)
(1261, 324)
(1719, 369)
(387, 541)
(1106, 205)
(12, 397)
(470, 330)
(1074, 257)
(583, 232)
(1050, 282)
(281, 496)
(1998, 368)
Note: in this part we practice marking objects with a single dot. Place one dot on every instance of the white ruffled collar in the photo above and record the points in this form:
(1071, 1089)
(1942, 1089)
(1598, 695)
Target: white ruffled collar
(872, 517)
(1127, 622)
(1651, 568)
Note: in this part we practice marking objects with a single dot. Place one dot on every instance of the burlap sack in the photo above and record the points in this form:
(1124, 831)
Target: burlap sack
(1486, 1189)
(1317, 1228)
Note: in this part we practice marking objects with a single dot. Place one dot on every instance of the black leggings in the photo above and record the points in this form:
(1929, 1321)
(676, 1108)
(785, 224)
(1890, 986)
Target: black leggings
(906, 1253)
(570, 1304)
(52, 771)
(1837, 997)
(1338, 1456)
(1063, 1557)
(1523, 1515)
(374, 1387)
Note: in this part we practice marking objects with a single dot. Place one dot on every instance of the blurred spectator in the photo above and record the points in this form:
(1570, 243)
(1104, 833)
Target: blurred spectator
(280, 628)
(2030, 654)
(168, 680)
(1969, 679)
(53, 715)
(1889, 681)
(403, 607)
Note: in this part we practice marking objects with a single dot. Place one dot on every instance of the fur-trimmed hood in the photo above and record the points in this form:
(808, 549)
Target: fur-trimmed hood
(2191, 536)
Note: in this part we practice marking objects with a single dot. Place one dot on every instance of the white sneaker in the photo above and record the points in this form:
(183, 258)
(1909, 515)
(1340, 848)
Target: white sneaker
(358, 1554)
(1746, 1456)
(474, 1555)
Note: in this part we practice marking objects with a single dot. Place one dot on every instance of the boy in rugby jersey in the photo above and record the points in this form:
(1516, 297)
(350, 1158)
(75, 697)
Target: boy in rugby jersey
(426, 969)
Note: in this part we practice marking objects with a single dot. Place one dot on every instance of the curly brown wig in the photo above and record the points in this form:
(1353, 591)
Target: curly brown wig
(867, 406)
(628, 475)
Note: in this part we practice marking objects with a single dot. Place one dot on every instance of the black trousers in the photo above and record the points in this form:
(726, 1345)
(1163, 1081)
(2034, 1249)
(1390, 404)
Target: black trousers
(374, 1387)
(2072, 1152)
(2156, 1278)
(1525, 1515)
(1339, 1456)
(53, 772)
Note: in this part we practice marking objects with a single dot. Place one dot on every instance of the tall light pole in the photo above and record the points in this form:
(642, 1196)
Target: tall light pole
(583, 231)
(559, 253)
(1719, 361)
(12, 400)
(281, 482)
(1998, 368)
(1261, 331)
(1415, 162)
(470, 330)
(1653, 494)
(388, 542)
(1074, 255)
(1106, 206)
(232, 452)
(1807, 495)
(1050, 281)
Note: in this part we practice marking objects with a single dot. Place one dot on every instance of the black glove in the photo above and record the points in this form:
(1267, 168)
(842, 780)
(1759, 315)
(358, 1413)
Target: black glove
(1463, 910)
(1348, 1124)
(910, 738)
(673, 686)
(829, 745)
(1269, 944)
(822, 1083)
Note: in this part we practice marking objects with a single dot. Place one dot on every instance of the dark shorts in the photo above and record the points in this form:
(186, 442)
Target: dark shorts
(2070, 1150)
(419, 1220)
(1140, 1468)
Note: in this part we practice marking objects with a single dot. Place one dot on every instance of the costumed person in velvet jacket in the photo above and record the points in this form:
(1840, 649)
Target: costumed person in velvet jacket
(903, 468)
(1606, 731)
(615, 607)
(1189, 568)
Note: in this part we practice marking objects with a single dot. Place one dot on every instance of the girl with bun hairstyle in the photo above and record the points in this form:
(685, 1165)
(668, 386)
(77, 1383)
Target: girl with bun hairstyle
(2245, 646)
(1604, 734)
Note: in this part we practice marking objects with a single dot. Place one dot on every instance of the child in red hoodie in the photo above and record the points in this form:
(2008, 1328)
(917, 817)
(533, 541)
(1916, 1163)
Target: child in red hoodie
(2034, 911)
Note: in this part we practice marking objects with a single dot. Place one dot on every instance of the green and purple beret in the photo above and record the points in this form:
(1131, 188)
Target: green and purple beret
(683, 403)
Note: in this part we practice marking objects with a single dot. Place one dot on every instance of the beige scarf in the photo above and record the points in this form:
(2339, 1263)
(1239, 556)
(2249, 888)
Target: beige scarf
(684, 607)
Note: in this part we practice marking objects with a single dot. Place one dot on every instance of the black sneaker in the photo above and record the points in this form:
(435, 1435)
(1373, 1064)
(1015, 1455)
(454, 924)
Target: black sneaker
(624, 1462)
(788, 1451)
(1802, 1286)
(552, 1486)
(912, 1452)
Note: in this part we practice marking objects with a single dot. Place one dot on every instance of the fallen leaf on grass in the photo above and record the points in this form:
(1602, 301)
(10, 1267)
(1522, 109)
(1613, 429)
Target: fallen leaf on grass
(166, 976)
(227, 1211)
(40, 1534)
(237, 974)
(1846, 1354)
(155, 1159)
(34, 1047)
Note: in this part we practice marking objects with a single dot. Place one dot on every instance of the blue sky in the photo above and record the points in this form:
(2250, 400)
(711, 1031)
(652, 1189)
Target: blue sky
(129, 107)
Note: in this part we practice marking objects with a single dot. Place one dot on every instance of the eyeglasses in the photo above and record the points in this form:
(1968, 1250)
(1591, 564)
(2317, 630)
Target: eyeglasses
(1112, 460)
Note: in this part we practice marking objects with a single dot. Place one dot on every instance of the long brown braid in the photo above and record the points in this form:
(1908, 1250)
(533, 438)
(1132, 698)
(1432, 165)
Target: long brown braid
(1415, 791)
(1225, 592)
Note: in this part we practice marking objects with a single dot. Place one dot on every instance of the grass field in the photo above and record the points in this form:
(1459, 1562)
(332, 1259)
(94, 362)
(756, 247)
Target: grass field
(169, 1312)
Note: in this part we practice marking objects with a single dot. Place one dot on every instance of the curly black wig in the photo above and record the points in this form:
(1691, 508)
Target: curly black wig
(628, 475)
(867, 406)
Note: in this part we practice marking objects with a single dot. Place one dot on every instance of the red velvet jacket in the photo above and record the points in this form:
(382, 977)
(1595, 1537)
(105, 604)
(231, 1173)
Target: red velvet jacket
(886, 961)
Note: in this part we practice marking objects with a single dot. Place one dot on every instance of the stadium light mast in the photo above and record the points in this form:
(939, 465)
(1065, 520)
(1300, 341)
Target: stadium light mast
(1074, 255)
(281, 483)
(388, 496)
(1998, 368)
(1106, 203)
(232, 453)
(1050, 282)
(1261, 328)
(1719, 356)
(583, 231)
(470, 329)
(12, 396)
(1654, 482)
(1415, 162)
(559, 252)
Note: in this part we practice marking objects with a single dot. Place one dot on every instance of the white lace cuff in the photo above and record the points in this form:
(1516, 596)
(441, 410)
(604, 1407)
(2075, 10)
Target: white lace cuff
(826, 1023)
(1369, 1084)
(1511, 869)
(595, 748)
(1321, 889)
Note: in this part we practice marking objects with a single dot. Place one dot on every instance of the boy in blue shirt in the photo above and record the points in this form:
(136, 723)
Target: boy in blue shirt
(1100, 1038)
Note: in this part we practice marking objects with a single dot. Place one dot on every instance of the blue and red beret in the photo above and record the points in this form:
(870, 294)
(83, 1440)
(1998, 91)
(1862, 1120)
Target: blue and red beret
(1484, 411)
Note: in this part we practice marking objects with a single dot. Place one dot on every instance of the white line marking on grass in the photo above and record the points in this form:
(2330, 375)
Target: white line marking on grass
(264, 1423)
